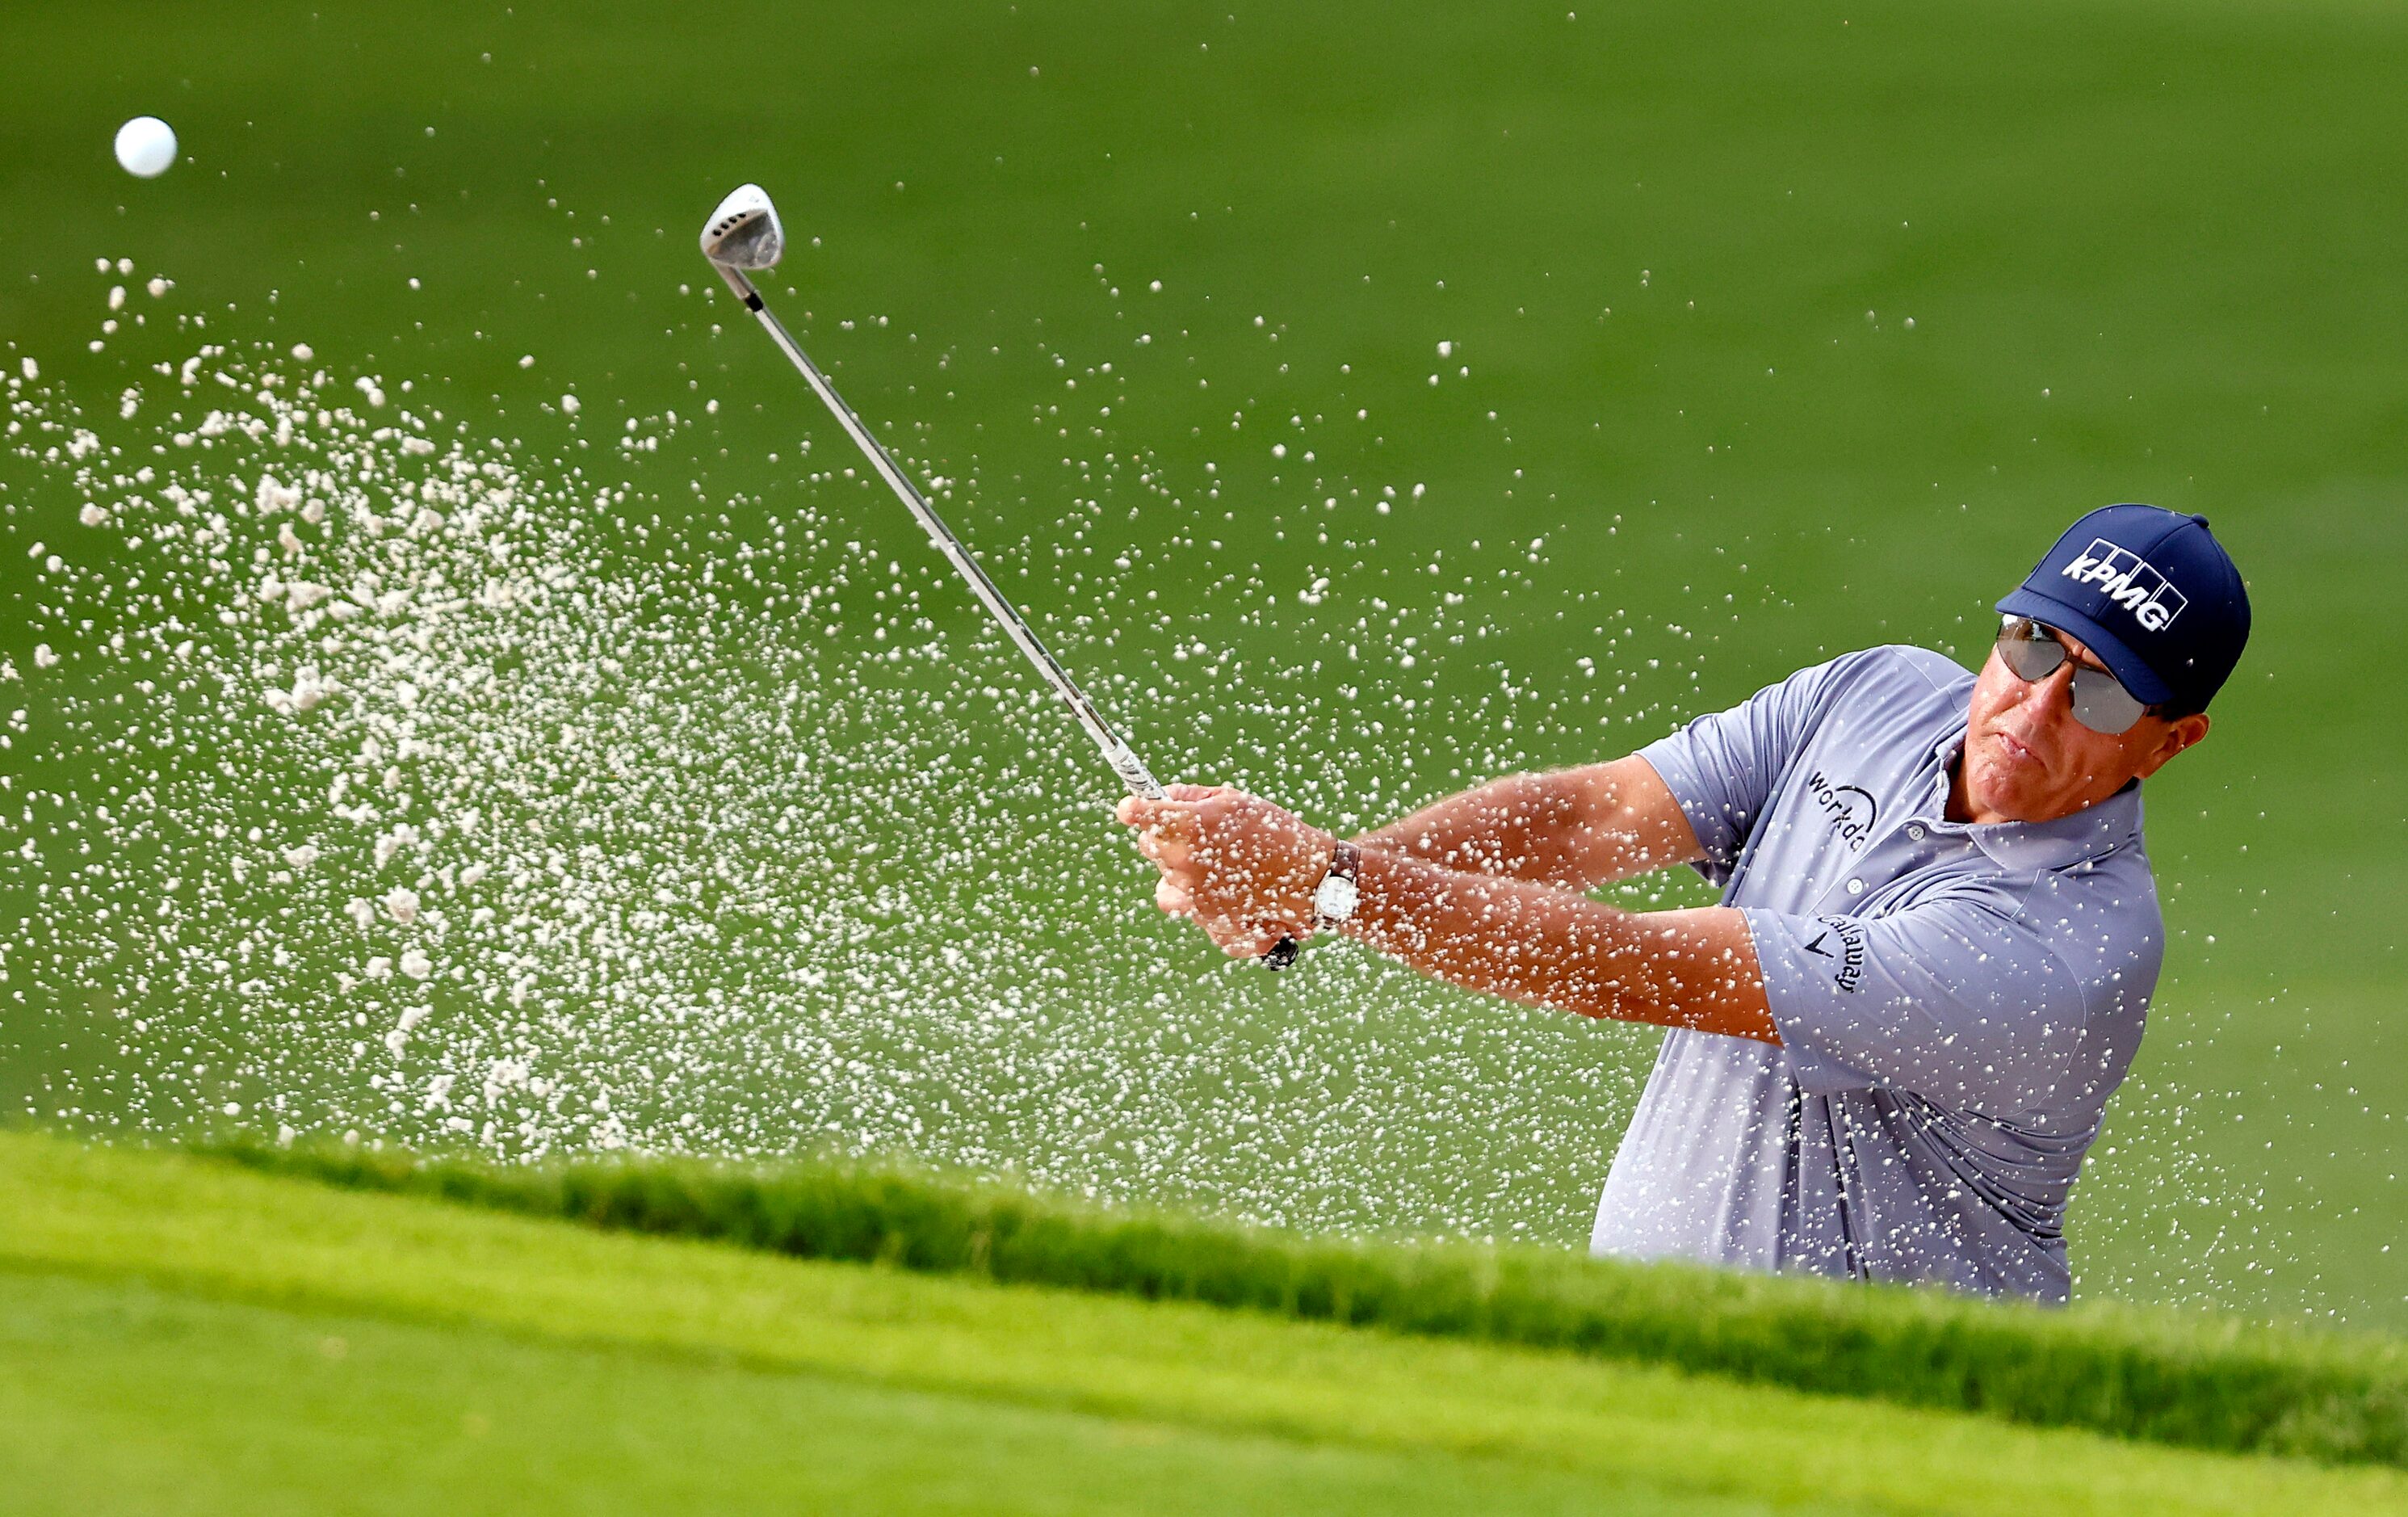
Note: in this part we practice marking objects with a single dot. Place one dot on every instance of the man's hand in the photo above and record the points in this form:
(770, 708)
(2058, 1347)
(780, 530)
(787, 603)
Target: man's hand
(1244, 869)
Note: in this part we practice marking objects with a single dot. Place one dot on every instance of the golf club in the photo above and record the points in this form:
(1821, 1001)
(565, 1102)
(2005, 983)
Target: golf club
(744, 235)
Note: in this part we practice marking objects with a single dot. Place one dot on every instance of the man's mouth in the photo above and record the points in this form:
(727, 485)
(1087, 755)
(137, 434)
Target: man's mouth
(2016, 753)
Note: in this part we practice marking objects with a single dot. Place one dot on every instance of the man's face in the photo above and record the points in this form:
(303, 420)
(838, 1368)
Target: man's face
(2027, 760)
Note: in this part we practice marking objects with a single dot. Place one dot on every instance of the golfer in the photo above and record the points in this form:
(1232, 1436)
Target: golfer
(1893, 1042)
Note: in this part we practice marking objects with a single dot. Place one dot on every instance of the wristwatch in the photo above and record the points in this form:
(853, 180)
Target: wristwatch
(1334, 901)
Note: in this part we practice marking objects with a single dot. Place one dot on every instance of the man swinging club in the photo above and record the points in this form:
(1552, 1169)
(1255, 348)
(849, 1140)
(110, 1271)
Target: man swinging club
(1893, 1042)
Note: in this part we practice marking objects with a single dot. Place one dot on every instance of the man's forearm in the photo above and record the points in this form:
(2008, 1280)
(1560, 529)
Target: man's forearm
(1519, 826)
(1551, 946)
(1576, 827)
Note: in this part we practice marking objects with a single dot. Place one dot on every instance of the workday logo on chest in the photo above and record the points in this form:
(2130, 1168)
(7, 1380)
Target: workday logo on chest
(2127, 579)
(1850, 808)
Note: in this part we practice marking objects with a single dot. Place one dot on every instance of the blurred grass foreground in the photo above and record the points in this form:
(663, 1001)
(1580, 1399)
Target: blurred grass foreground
(239, 1335)
(2164, 1375)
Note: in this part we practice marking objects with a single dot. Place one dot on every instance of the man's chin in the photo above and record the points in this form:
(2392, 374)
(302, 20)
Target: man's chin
(1993, 786)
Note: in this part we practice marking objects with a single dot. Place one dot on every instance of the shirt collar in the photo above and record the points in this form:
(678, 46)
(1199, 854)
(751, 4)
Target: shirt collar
(2091, 833)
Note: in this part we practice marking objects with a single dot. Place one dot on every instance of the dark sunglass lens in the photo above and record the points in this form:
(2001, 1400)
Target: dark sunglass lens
(2102, 705)
(2030, 652)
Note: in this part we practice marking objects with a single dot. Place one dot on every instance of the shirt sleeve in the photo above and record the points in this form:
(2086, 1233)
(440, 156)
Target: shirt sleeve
(1724, 768)
(1961, 1001)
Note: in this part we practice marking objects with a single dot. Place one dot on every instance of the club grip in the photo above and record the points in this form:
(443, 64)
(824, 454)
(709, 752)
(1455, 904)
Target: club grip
(1282, 953)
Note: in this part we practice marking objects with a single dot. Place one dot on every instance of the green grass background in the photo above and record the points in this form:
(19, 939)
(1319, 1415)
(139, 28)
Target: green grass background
(2149, 252)
(236, 1340)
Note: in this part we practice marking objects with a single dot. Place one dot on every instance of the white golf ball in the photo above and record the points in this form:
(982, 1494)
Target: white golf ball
(146, 146)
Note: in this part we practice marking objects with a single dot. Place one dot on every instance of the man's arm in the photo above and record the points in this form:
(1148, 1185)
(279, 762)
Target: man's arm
(1579, 828)
(1507, 917)
(1244, 867)
(1548, 946)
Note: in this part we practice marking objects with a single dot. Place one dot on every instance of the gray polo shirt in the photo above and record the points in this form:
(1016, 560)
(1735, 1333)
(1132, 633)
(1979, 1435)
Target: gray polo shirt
(1955, 1003)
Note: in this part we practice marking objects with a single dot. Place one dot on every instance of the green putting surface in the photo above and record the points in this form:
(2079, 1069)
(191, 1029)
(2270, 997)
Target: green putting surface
(242, 1342)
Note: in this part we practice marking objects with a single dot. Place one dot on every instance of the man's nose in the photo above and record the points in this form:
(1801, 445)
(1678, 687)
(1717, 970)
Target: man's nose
(2051, 699)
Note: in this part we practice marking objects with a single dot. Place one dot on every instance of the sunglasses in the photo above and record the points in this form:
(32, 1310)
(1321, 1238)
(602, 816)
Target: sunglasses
(2033, 650)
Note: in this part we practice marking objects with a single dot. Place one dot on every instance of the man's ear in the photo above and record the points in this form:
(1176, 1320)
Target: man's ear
(2182, 732)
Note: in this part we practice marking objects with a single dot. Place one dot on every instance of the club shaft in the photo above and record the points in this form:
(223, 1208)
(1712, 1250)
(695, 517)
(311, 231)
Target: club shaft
(1116, 750)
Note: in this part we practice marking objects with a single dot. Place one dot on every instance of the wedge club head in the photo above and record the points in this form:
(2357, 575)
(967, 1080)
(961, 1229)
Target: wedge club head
(743, 234)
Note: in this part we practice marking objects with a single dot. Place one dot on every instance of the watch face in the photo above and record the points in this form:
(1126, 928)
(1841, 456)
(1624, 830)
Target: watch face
(1336, 898)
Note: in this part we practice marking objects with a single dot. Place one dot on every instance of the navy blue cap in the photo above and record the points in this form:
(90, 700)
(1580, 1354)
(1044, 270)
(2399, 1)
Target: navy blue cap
(2152, 593)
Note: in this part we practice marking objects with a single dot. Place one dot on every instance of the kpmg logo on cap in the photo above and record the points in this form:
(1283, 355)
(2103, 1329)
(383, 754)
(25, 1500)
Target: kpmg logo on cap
(2130, 581)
